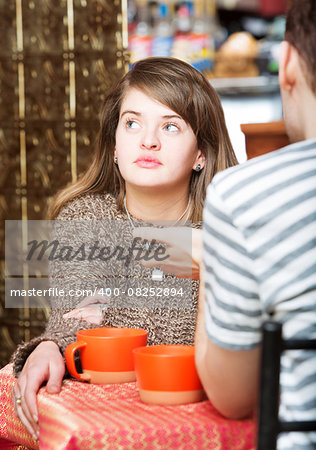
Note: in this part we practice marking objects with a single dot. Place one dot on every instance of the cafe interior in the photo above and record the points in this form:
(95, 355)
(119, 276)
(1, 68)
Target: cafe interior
(58, 60)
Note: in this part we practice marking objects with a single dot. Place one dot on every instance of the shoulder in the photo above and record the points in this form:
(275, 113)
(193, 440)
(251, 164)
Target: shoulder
(261, 176)
(93, 206)
(265, 166)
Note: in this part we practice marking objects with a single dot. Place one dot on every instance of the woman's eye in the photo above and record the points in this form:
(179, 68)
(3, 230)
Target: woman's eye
(171, 127)
(132, 124)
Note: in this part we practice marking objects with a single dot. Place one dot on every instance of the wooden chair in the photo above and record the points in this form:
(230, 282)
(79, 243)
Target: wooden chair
(269, 424)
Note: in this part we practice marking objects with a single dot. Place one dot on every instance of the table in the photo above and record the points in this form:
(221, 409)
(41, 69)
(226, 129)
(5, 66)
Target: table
(94, 417)
(262, 138)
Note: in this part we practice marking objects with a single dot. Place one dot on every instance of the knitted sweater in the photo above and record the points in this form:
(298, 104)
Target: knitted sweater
(165, 324)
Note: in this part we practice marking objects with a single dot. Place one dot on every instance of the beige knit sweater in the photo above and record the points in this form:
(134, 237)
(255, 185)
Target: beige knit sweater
(165, 324)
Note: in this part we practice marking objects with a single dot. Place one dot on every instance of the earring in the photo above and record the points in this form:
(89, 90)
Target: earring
(197, 167)
(115, 160)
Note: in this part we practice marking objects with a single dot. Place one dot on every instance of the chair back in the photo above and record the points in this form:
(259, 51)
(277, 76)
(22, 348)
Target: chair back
(269, 424)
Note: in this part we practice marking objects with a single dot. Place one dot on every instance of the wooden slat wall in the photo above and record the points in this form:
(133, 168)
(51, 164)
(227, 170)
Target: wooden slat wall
(57, 60)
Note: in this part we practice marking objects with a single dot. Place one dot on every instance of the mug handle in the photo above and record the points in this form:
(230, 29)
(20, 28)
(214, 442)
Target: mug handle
(70, 360)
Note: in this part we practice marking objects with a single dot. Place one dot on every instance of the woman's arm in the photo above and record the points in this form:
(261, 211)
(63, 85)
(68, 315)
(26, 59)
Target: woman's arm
(41, 359)
(45, 363)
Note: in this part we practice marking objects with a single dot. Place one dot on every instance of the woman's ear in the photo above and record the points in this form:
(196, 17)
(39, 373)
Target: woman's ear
(288, 66)
(115, 157)
(199, 160)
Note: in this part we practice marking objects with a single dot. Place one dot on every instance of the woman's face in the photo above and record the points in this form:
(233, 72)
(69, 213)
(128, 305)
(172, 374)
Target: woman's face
(155, 147)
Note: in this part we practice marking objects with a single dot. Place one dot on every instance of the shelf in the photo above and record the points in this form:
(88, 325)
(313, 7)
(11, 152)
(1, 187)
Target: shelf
(261, 85)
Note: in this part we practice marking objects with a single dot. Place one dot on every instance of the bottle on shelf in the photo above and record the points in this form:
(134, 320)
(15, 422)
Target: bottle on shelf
(163, 33)
(181, 47)
(201, 40)
(184, 29)
(140, 42)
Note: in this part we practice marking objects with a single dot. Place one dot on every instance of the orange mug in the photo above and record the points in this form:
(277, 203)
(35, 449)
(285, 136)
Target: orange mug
(166, 374)
(105, 354)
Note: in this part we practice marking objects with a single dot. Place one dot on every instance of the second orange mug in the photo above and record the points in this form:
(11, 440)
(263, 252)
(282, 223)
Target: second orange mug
(106, 354)
(166, 374)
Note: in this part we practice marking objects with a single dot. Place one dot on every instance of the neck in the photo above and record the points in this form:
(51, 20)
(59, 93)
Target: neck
(305, 101)
(309, 118)
(157, 207)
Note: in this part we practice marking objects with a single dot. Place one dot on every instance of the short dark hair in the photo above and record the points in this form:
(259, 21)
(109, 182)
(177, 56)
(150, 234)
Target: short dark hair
(301, 34)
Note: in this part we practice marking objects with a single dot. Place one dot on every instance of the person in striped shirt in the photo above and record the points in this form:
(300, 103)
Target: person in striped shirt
(259, 237)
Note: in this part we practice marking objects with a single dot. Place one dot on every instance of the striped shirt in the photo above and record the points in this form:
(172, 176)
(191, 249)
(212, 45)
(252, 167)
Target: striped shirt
(260, 261)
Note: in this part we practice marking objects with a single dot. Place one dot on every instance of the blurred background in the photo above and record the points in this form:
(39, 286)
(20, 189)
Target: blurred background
(58, 58)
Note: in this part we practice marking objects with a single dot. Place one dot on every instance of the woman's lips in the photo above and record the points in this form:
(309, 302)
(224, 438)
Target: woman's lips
(148, 163)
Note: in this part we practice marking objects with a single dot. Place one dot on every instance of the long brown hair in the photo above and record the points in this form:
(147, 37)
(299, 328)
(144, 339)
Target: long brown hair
(186, 91)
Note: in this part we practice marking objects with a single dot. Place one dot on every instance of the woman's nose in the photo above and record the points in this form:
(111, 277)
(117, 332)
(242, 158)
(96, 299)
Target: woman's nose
(150, 141)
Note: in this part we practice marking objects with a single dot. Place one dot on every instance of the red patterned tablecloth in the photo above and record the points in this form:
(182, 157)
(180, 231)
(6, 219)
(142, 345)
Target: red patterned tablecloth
(94, 417)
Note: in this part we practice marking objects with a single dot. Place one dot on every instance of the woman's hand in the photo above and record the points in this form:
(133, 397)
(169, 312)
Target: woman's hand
(45, 363)
(184, 252)
(89, 309)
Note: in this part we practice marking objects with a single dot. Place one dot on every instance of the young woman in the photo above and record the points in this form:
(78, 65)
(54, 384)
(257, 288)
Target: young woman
(162, 139)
